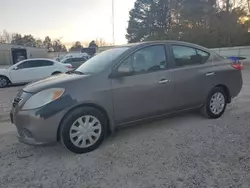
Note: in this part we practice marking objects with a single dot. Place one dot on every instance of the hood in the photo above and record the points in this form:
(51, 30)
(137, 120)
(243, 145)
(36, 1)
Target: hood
(59, 81)
(3, 70)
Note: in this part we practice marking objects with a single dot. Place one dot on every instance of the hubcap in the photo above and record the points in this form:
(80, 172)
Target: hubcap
(85, 131)
(217, 103)
(3, 82)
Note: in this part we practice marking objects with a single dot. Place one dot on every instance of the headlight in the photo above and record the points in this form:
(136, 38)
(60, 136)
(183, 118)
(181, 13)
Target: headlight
(42, 98)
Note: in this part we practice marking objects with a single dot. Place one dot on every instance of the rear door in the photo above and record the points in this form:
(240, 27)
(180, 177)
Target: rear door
(191, 75)
(148, 90)
(44, 68)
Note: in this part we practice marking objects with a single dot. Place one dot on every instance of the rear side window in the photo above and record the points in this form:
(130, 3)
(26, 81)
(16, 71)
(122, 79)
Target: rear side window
(79, 59)
(44, 63)
(34, 63)
(187, 56)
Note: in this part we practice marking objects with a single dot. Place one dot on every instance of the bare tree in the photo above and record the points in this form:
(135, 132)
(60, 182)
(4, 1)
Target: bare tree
(101, 42)
(6, 37)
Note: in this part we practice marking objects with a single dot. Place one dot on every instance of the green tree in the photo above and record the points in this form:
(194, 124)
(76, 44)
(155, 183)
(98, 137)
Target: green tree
(198, 21)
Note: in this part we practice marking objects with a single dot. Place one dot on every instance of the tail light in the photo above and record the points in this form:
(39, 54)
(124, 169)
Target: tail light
(237, 65)
(69, 66)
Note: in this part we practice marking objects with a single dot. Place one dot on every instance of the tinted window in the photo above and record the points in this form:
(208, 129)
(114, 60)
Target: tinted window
(26, 64)
(148, 59)
(204, 55)
(79, 59)
(43, 63)
(101, 61)
(34, 63)
(185, 56)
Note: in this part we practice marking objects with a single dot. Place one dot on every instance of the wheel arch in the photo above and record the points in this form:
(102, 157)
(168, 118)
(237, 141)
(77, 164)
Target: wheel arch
(6, 77)
(98, 107)
(56, 72)
(226, 90)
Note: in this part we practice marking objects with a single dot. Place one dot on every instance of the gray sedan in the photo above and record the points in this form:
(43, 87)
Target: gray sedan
(124, 85)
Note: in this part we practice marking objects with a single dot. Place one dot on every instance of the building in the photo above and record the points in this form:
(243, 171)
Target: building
(11, 54)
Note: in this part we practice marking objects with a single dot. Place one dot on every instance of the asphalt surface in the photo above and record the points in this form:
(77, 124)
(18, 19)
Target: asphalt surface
(182, 151)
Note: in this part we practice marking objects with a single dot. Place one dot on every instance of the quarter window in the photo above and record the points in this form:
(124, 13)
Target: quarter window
(148, 59)
(204, 55)
(186, 56)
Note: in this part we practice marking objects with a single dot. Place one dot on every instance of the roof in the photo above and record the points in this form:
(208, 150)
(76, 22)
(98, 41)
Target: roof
(157, 41)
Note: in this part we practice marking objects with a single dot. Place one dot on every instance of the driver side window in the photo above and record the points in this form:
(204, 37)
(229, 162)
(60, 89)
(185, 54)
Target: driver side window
(148, 59)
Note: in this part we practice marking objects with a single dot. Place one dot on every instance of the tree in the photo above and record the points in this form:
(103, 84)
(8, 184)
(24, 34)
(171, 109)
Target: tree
(29, 40)
(39, 43)
(92, 44)
(101, 42)
(199, 21)
(77, 46)
(17, 39)
(6, 37)
(48, 43)
(57, 46)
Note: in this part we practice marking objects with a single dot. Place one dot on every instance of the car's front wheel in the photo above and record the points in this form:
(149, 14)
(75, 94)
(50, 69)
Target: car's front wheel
(3, 81)
(215, 104)
(83, 130)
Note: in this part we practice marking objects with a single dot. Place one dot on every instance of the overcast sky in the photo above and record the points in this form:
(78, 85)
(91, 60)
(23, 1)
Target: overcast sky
(72, 20)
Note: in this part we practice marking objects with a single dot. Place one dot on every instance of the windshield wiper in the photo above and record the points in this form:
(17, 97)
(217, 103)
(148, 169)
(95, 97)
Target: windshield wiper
(75, 72)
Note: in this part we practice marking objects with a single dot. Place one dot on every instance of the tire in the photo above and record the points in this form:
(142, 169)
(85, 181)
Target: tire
(3, 81)
(55, 73)
(72, 129)
(216, 94)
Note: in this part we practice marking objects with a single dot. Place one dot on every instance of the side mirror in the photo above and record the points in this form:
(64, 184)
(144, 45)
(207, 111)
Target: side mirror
(125, 70)
(15, 68)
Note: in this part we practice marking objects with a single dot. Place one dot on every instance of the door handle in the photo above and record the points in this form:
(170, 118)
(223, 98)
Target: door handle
(164, 81)
(210, 74)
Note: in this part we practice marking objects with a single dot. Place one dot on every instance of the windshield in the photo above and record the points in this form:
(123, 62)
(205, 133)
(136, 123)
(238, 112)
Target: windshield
(101, 61)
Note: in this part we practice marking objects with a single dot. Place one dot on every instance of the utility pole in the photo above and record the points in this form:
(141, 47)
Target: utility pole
(227, 5)
(113, 22)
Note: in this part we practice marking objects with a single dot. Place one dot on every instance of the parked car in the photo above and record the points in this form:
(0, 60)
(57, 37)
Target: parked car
(123, 85)
(75, 61)
(31, 70)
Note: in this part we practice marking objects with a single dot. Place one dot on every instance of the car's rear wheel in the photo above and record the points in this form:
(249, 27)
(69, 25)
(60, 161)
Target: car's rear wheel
(3, 81)
(83, 130)
(215, 104)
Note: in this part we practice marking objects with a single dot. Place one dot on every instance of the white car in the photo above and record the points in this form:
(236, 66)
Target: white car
(30, 70)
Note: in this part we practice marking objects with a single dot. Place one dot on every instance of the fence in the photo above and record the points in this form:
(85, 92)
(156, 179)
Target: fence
(241, 51)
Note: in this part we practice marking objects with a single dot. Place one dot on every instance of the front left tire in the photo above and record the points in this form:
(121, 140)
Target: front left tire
(83, 130)
(3, 81)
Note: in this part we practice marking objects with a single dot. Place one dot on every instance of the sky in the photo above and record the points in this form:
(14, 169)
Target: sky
(70, 20)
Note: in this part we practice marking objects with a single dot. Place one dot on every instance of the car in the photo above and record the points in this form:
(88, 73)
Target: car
(122, 86)
(75, 61)
(30, 70)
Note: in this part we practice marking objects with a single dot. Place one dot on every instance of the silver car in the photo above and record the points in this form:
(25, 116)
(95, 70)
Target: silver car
(124, 85)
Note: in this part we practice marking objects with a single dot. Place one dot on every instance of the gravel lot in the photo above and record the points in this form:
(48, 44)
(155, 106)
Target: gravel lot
(182, 151)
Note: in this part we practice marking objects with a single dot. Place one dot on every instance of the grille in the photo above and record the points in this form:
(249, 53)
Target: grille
(16, 101)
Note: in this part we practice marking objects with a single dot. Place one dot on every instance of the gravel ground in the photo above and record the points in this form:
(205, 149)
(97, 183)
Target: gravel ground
(182, 151)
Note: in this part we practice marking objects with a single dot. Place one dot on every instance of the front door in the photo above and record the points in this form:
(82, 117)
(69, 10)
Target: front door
(147, 91)
(23, 72)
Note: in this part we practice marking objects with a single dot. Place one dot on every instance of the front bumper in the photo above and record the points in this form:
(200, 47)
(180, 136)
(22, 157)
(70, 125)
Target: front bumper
(33, 129)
